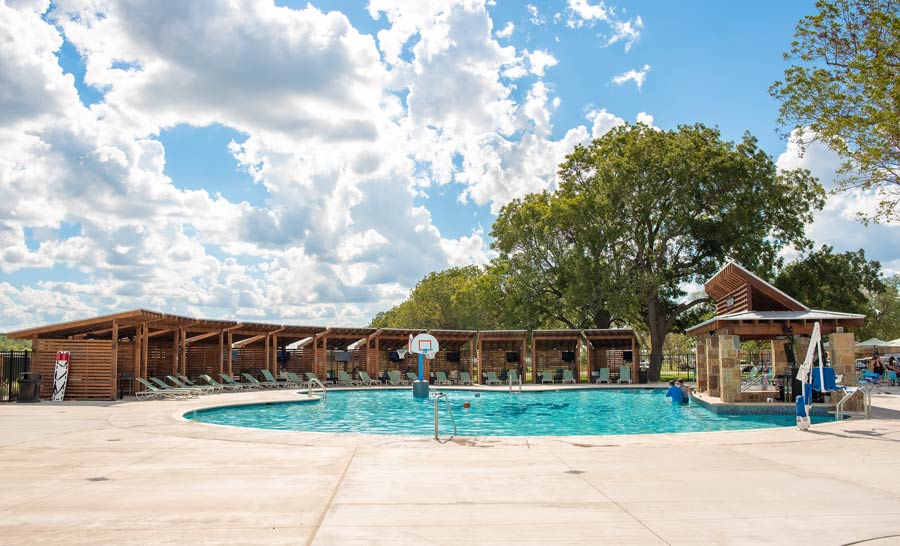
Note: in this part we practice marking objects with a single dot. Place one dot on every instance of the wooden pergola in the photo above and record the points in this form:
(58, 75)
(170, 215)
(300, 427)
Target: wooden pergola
(749, 308)
(607, 348)
(328, 343)
(142, 343)
(549, 350)
(382, 342)
(458, 343)
(496, 347)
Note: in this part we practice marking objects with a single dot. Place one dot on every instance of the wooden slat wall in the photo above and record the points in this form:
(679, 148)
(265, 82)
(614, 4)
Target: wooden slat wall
(613, 361)
(90, 367)
(202, 359)
(160, 357)
(741, 297)
(301, 361)
(493, 356)
(250, 360)
(440, 364)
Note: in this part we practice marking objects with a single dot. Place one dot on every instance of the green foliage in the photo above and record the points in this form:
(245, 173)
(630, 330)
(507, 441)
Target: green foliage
(844, 88)
(7, 344)
(842, 282)
(883, 315)
(459, 299)
(658, 209)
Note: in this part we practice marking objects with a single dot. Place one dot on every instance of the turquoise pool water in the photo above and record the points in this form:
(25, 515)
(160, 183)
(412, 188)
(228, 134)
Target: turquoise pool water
(554, 413)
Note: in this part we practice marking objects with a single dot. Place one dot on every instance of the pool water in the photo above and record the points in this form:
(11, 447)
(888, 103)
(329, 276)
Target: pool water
(553, 413)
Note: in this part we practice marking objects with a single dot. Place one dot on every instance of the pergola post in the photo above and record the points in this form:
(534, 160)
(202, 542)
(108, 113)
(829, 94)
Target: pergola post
(221, 351)
(145, 350)
(114, 360)
(229, 363)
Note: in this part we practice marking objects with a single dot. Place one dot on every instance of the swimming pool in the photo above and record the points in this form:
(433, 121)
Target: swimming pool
(549, 413)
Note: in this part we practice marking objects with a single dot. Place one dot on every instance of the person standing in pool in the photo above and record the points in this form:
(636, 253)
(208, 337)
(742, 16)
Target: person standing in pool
(674, 392)
(685, 391)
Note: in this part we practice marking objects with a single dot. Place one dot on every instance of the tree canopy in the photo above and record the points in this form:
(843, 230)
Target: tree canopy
(842, 282)
(665, 208)
(844, 90)
(883, 315)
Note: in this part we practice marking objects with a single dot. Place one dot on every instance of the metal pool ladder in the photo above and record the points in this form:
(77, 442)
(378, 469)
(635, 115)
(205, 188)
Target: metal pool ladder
(313, 382)
(437, 399)
(511, 383)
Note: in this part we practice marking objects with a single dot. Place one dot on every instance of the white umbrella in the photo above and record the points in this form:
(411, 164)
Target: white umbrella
(871, 343)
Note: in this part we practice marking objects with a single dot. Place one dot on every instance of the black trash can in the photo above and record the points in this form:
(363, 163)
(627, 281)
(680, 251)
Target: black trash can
(29, 387)
(643, 375)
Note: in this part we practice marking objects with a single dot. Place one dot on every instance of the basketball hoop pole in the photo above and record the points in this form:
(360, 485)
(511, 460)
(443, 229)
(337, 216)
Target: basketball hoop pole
(421, 366)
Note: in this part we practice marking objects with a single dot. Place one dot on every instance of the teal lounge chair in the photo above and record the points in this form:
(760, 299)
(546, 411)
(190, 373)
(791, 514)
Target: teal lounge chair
(311, 375)
(492, 379)
(568, 377)
(202, 389)
(230, 381)
(367, 380)
(603, 376)
(441, 378)
(394, 378)
(345, 379)
(295, 380)
(187, 381)
(465, 378)
(167, 393)
(271, 380)
(412, 377)
(256, 382)
(547, 377)
(513, 376)
(215, 383)
(624, 374)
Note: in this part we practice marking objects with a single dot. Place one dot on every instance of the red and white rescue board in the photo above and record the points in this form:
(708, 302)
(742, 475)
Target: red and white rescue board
(61, 375)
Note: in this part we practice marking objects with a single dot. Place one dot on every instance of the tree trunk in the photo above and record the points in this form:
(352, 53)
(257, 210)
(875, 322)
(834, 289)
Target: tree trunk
(657, 326)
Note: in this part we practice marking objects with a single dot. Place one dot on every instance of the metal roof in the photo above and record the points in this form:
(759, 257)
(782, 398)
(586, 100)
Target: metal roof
(779, 316)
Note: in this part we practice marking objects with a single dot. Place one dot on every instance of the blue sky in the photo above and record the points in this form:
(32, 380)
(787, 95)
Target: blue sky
(310, 162)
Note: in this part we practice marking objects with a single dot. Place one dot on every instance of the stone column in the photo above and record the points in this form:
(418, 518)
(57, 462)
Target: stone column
(712, 365)
(779, 357)
(730, 368)
(702, 372)
(801, 345)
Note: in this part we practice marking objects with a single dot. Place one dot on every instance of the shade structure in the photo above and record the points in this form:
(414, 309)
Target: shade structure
(872, 343)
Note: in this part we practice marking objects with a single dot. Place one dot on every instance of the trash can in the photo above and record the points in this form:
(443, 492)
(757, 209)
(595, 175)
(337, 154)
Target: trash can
(643, 375)
(29, 387)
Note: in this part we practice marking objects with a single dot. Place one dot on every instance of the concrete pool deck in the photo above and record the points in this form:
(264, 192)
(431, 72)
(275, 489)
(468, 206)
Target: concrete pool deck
(135, 473)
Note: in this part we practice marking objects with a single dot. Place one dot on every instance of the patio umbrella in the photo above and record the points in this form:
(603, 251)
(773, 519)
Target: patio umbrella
(873, 343)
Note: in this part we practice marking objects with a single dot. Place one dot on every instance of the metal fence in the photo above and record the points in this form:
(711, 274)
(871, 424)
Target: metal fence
(675, 366)
(12, 363)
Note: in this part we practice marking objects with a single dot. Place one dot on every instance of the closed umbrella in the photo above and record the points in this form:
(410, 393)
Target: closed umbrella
(873, 343)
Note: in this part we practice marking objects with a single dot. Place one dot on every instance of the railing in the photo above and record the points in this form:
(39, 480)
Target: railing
(437, 398)
(509, 380)
(866, 389)
(12, 363)
(313, 382)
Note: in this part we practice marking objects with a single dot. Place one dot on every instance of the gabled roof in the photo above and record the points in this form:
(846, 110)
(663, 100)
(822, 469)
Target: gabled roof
(733, 276)
(766, 324)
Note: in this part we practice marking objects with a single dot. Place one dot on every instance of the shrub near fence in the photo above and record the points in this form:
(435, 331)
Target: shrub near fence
(12, 363)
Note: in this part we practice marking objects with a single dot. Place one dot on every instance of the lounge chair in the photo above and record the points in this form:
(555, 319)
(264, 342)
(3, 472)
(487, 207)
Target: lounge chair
(412, 377)
(603, 376)
(257, 383)
(295, 380)
(624, 374)
(345, 379)
(394, 378)
(214, 383)
(230, 381)
(547, 377)
(169, 392)
(441, 378)
(311, 375)
(202, 389)
(568, 377)
(513, 377)
(272, 380)
(367, 380)
(492, 379)
(465, 378)
(187, 381)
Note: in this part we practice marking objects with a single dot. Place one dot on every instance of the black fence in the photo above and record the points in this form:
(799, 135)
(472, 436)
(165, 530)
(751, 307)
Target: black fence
(675, 366)
(12, 363)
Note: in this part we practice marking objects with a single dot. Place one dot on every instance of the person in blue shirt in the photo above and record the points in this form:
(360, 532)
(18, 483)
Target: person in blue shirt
(674, 392)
